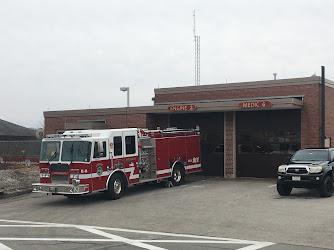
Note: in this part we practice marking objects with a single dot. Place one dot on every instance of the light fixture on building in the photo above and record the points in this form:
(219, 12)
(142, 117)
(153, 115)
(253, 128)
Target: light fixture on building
(275, 74)
(126, 89)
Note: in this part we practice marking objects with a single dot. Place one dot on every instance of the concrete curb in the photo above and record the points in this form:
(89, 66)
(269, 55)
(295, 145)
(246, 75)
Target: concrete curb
(13, 193)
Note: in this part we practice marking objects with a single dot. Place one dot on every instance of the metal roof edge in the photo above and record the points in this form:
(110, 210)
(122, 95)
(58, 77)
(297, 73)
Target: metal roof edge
(240, 85)
(231, 100)
(147, 109)
(329, 83)
(97, 112)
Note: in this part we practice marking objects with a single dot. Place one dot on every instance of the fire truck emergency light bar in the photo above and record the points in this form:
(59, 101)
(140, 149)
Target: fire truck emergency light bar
(68, 136)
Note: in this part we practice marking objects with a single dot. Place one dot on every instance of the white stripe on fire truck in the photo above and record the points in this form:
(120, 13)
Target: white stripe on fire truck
(193, 166)
(105, 173)
(131, 170)
(132, 175)
(165, 171)
(168, 171)
(93, 175)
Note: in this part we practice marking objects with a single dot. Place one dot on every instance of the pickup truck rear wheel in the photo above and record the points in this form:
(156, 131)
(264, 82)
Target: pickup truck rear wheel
(283, 190)
(326, 189)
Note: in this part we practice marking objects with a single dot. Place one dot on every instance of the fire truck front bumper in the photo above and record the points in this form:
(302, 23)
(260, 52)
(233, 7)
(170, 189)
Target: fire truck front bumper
(62, 189)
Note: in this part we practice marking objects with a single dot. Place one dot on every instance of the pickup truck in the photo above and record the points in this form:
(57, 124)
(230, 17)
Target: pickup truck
(307, 168)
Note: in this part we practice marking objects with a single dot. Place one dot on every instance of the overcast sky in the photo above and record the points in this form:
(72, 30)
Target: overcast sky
(76, 54)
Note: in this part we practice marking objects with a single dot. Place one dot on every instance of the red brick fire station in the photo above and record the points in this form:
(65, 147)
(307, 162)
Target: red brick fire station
(247, 129)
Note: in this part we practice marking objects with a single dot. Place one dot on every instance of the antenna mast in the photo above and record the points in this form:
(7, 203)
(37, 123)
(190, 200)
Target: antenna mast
(197, 54)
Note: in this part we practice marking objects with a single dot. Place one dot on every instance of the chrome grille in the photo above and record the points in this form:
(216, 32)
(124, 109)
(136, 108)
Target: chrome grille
(60, 173)
(297, 171)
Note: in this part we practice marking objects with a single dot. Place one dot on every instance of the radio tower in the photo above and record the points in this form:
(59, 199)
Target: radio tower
(197, 55)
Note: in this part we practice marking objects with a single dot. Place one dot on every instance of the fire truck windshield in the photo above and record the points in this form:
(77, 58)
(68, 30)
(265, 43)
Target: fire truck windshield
(76, 151)
(50, 151)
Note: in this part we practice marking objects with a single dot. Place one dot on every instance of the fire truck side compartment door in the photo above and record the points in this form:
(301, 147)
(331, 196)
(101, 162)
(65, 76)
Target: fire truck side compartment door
(130, 143)
(117, 150)
(130, 149)
(100, 164)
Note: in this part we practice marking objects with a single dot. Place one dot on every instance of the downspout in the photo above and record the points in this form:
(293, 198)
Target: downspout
(323, 114)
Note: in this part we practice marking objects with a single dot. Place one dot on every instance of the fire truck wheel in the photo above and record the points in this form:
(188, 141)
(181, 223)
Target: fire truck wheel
(116, 187)
(178, 175)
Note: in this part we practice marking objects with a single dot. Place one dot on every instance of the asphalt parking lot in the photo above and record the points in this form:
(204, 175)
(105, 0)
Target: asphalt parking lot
(217, 213)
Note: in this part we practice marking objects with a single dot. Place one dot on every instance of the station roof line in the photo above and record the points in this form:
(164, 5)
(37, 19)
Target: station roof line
(229, 100)
(245, 85)
(278, 102)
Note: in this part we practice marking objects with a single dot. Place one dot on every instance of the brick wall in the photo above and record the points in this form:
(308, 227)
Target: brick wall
(53, 124)
(229, 145)
(310, 114)
(329, 120)
(156, 120)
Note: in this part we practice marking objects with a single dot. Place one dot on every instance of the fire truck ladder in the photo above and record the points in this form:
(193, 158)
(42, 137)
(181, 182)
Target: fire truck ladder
(174, 130)
(68, 136)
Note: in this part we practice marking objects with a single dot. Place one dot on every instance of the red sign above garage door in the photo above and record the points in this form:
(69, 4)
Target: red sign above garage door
(182, 108)
(255, 104)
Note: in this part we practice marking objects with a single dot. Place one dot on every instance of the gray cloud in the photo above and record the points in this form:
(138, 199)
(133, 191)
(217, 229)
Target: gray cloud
(57, 55)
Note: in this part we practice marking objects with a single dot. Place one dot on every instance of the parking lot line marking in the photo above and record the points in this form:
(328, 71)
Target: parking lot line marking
(47, 224)
(32, 226)
(135, 242)
(272, 186)
(56, 239)
(228, 240)
(258, 245)
(3, 247)
(192, 241)
(44, 224)
(120, 239)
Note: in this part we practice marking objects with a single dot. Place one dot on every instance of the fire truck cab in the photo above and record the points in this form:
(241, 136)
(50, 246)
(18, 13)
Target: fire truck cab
(81, 162)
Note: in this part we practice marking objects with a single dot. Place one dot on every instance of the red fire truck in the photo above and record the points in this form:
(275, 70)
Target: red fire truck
(86, 161)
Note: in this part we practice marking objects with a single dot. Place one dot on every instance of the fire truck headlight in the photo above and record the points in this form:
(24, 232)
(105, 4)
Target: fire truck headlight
(45, 173)
(75, 182)
(74, 174)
